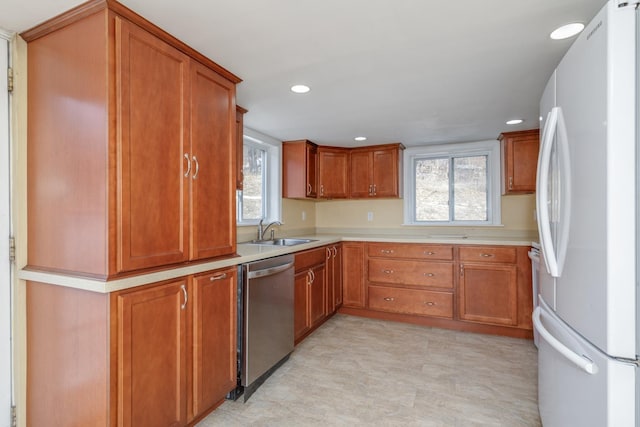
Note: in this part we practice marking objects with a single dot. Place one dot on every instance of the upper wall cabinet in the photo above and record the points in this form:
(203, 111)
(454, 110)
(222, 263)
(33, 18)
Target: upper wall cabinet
(311, 171)
(131, 146)
(333, 168)
(519, 161)
(375, 171)
(240, 112)
(299, 169)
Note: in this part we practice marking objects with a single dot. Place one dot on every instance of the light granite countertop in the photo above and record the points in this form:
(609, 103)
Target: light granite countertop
(250, 252)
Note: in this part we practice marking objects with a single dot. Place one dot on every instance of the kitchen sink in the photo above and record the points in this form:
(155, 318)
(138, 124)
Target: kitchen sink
(280, 242)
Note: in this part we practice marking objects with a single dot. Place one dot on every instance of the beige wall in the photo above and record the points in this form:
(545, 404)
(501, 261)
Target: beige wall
(351, 216)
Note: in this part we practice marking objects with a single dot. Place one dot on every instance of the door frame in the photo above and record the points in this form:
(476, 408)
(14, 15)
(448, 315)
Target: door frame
(6, 276)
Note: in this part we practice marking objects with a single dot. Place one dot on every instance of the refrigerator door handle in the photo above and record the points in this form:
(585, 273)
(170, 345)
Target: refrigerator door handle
(582, 362)
(542, 193)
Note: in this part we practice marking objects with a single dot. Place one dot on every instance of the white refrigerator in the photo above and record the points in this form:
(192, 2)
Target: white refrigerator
(587, 207)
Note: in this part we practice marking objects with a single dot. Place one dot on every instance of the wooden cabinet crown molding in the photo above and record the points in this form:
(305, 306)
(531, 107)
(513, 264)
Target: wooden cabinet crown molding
(85, 9)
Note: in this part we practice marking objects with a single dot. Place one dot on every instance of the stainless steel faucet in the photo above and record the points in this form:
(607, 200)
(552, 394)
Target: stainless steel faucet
(262, 230)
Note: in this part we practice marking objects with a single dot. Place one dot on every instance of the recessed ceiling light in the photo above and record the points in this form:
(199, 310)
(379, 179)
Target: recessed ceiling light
(515, 122)
(567, 31)
(360, 138)
(300, 88)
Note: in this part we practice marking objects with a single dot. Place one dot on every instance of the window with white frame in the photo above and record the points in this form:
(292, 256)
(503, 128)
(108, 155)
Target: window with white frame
(260, 194)
(452, 184)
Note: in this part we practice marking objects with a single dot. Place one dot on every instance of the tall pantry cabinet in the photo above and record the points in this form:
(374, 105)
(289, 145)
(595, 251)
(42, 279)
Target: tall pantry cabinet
(131, 153)
(130, 142)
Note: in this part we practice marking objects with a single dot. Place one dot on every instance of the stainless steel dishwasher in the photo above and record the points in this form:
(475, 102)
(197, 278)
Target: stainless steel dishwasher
(267, 301)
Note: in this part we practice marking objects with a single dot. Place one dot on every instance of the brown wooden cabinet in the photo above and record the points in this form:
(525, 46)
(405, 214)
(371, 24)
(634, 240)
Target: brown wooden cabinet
(519, 161)
(467, 287)
(494, 285)
(214, 335)
(239, 138)
(152, 355)
(353, 274)
(333, 172)
(310, 290)
(135, 187)
(334, 277)
(375, 171)
(299, 169)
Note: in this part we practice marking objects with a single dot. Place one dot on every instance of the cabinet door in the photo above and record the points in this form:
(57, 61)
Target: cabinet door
(153, 117)
(333, 171)
(385, 173)
(317, 294)
(353, 274)
(488, 293)
(360, 184)
(301, 321)
(212, 155)
(337, 275)
(312, 170)
(520, 159)
(214, 337)
(152, 355)
(239, 138)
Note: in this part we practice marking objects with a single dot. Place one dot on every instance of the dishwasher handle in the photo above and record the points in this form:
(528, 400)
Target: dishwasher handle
(269, 271)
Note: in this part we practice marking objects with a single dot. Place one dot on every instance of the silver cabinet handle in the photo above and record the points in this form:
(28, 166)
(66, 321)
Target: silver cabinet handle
(313, 276)
(461, 270)
(195, 175)
(322, 189)
(389, 299)
(386, 251)
(375, 189)
(186, 297)
(186, 156)
(387, 271)
(370, 189)
(218, 277)
(486, 255)
(429, 253)
(510, 183)
(428, 274)
(429, 303)
(309, 188)
(335, 251)
(328, 253)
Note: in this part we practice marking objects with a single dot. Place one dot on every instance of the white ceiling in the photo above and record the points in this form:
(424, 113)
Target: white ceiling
(410, 71)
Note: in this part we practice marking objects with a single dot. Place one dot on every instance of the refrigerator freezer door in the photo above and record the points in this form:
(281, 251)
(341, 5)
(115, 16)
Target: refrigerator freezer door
(595, 90)
(578, 385)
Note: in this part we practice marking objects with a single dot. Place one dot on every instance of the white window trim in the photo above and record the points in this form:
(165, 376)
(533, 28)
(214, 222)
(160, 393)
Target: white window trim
(489, 148)
(274, 170)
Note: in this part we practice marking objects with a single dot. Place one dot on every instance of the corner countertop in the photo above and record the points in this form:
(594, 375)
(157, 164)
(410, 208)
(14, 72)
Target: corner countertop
(249, 253)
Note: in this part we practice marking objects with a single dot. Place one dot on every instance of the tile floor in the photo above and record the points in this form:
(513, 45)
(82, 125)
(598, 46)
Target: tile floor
(361, 372)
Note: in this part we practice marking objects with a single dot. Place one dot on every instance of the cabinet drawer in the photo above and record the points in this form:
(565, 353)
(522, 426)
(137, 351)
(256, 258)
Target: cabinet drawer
(410, 250)
(310, 258)
(502, 254)
(420, 273)
(411, 301)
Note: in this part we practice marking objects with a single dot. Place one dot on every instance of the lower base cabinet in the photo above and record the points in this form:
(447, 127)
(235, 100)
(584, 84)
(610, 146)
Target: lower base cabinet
(159, 355)
(310, 291)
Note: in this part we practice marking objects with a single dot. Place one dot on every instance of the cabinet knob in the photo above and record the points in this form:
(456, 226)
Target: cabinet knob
(218, 277)
(389, 299)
